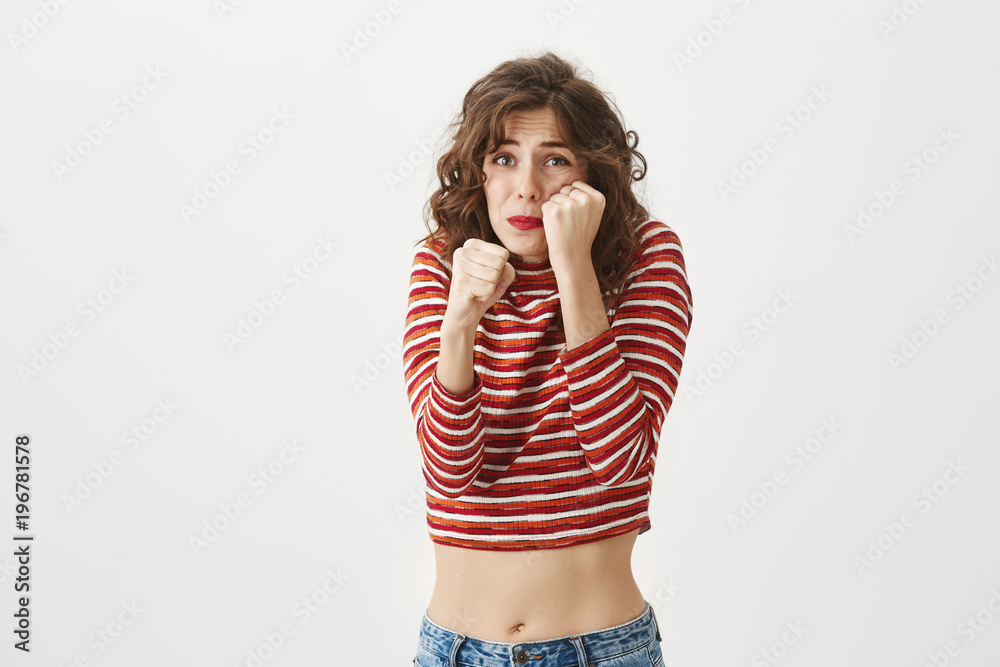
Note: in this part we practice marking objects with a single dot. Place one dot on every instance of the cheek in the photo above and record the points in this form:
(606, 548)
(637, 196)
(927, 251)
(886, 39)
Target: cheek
(494, 190)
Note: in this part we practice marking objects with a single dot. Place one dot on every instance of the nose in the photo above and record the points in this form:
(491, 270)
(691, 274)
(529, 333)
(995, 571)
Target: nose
(527, 186)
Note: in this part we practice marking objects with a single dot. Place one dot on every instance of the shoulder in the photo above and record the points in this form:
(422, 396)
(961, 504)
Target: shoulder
(428, 258)
(658, 243)
(660, 270)
(660, 260)
(431, 251)
(656, 236)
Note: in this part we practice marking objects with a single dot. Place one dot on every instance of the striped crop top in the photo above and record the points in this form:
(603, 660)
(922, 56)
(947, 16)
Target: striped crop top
(552, 446)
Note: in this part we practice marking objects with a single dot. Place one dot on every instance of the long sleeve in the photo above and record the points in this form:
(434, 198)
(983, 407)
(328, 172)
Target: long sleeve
(450, 428)
(622, 381)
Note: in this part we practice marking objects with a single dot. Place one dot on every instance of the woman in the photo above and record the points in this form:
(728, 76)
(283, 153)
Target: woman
(546, 327)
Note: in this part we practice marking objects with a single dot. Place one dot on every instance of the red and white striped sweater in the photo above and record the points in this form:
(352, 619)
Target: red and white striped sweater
(552, 446)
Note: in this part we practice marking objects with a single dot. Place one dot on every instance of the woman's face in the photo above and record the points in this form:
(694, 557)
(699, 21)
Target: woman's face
(522, 174)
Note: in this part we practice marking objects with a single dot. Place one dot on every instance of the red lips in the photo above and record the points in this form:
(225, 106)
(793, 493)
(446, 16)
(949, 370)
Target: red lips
(524, 222)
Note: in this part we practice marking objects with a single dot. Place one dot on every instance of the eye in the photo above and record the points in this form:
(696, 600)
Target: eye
(502, 156)
(565, 162)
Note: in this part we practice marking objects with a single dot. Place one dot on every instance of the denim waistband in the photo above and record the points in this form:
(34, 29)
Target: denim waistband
(579, 649)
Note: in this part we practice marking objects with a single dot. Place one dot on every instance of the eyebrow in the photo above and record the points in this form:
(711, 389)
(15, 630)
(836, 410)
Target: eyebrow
(544, 144)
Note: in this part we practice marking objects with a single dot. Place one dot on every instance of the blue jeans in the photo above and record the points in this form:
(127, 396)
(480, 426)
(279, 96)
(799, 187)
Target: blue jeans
(632, 644)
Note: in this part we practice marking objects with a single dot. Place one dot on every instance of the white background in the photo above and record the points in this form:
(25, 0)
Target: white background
(324, 368)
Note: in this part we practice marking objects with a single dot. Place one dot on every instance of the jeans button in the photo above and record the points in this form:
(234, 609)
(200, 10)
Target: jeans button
(521, 657)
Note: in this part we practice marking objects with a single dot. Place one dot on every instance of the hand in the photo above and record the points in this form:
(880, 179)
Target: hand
(571, 218)
(480, 275)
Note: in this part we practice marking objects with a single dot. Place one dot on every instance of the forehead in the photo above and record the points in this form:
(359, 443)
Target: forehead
(538, 124)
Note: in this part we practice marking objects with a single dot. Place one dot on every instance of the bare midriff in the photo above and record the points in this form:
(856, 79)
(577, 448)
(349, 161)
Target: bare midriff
(514, 596)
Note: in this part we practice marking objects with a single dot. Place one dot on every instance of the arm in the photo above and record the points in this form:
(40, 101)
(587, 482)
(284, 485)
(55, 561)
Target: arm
(622, 379)
(582, 307)
(449, 425)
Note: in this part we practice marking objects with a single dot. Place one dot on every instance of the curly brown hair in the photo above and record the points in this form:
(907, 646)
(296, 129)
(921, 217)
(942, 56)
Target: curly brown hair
(590, 124)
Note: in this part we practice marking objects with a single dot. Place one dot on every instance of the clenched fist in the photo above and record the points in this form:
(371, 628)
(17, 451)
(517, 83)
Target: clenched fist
(480, 275)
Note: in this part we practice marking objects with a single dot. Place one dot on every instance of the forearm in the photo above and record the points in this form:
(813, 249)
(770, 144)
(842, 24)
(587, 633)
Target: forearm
(438, 366)
(451, 431)
(609, 410)
(583, 310)
(622, 381)
(455, 369)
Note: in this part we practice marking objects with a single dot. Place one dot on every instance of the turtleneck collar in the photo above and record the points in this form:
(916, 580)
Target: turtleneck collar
(532, 274)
